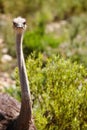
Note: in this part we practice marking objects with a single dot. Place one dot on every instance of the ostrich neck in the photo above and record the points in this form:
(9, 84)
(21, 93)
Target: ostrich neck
(26, 109)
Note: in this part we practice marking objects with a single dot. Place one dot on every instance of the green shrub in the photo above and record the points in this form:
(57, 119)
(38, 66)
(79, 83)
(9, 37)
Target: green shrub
(37, 40)
(59, 93)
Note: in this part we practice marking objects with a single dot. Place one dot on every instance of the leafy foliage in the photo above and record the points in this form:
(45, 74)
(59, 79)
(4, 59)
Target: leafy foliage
(38, 40)
(59, 93)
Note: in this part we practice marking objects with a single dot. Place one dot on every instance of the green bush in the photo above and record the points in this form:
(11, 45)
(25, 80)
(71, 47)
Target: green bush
(59, 93)
(37, 40)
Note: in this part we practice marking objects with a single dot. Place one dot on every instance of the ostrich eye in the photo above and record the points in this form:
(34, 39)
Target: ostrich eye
(24, 23)
(14, 23)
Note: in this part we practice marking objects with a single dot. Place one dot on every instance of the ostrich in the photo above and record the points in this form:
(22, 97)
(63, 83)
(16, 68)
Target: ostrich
(14, 116)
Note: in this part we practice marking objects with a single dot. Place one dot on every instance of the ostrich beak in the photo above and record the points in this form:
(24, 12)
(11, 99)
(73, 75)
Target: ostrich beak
(20, 25)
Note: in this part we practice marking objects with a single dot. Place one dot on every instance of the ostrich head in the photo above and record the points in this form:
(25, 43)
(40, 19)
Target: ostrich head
(19, 24)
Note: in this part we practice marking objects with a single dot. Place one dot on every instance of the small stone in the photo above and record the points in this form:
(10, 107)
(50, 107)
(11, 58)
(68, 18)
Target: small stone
(4, 50)
(6, 58)
(1, 42)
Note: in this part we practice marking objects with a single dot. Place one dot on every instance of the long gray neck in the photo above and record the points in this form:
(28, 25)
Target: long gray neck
(26, 108)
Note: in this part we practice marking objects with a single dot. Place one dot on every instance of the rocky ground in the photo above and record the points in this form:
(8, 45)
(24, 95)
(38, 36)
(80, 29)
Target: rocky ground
(6, 78)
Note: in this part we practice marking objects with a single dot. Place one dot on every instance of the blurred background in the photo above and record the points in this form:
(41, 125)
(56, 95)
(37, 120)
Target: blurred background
(53, 27)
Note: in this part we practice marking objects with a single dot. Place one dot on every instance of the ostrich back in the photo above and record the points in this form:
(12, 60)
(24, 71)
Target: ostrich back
(9, 110)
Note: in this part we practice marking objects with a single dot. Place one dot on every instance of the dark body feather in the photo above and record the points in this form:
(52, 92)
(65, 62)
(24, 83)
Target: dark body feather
(9, 110)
